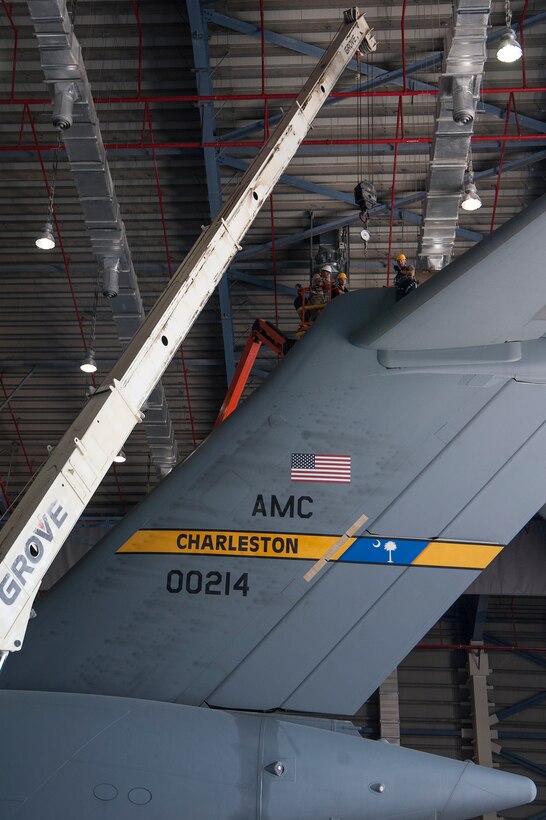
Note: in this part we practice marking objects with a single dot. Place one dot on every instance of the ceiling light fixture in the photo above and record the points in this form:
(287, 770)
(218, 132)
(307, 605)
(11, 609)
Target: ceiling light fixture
(509, 49)
(46, 241)
(121, 458)
(471, 199)
(89, 364)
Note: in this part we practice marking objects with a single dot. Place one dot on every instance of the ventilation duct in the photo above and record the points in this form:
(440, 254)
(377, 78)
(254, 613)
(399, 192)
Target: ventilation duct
(456, 107)
(75, 116)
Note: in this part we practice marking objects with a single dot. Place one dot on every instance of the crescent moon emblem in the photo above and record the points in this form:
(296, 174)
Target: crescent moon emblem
(376, 545)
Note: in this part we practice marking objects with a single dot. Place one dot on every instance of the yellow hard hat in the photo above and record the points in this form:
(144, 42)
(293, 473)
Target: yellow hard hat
(400, 257)
(342, 275)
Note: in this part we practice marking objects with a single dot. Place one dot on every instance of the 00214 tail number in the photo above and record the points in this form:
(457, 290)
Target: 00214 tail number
(211, 583)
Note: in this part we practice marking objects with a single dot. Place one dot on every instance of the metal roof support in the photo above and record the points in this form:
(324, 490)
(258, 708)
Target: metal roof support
(529, 655)
(199, 39)
(295, 182)
(379, 75)
(456, 106)
(300, 236)
(322, 150)
(9, 15)
(511, 101)
(520, 706)
(74, 114)
(522, 761)
(6, 499)
(17, 428)
(258, 282)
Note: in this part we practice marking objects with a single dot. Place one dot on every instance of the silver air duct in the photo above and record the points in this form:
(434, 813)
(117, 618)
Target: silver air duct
(459, 84)
(109, 268)
(66, 77)
(463, 100)
(66, 95)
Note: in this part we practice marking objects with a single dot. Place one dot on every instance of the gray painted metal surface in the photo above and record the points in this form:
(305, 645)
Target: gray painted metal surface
(110, 757)
(434, 456)
(216, 591)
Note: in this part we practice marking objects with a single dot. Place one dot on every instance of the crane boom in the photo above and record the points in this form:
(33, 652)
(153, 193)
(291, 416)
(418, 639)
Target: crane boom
(52, 506)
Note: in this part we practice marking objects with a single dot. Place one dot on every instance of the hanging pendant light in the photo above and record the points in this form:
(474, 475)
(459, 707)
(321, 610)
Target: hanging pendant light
(46, 240)
(471, 199)
(89, 365)
(509, 49)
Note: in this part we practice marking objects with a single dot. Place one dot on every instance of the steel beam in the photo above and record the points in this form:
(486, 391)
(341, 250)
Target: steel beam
(529, 656)
(518, 707)
(379, 75)
(293, 239)
(258, 282)
(400, 213)
(199, 39)
(522, 761)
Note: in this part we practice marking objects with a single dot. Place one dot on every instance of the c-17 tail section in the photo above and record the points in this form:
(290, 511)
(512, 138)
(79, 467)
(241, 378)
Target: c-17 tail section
(318, 533)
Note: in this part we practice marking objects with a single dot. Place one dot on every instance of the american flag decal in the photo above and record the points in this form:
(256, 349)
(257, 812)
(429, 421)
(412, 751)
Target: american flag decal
(323, 468)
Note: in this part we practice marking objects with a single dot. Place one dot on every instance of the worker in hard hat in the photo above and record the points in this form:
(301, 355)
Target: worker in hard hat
(320, 286)
(340, 285)
(404, 281)
(326, 273)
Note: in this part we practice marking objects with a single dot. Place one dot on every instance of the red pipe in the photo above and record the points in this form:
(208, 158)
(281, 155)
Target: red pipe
(137, 15)
(499, 175)
(58, 232)
(17, 428)
(160, 146)
(195, 98)
(399, 124)
(6, 496)
(470, 647)
(15, 42)
(403, 30)
(169, 265)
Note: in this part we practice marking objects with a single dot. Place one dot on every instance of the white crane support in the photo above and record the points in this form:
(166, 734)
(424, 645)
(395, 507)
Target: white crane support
(52, 506)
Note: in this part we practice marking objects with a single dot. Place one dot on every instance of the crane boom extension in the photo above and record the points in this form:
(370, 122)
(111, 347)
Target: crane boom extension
(44, 519)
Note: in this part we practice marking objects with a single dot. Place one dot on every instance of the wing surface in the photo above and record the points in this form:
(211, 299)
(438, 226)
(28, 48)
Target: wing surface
(315, 536)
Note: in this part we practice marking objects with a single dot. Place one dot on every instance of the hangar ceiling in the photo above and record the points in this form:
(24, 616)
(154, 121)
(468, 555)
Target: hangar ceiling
(151, 79)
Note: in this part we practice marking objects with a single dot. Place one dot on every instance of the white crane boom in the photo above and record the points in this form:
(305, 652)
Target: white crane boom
(52, 506)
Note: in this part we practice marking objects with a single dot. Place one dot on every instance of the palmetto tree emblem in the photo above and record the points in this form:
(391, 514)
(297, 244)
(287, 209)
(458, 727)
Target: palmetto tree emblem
(390, 547)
